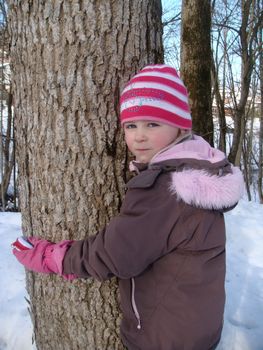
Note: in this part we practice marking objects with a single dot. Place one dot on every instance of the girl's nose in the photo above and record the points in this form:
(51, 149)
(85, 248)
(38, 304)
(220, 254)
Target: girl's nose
(140, 135)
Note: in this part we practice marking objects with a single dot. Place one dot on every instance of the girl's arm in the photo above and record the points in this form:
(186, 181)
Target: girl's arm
(133, 240)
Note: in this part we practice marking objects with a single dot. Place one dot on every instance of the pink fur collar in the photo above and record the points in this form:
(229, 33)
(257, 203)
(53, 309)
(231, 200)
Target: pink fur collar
(199, 187)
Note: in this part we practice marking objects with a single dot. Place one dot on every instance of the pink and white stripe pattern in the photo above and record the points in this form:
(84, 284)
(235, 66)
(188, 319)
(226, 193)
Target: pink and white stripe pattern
(156, 93)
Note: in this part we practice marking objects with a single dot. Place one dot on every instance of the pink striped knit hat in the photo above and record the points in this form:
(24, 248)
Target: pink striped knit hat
(156, 93)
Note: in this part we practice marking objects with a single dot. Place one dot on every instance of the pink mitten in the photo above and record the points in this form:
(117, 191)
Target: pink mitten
(44, 256)
(34, 258)
(54, 257)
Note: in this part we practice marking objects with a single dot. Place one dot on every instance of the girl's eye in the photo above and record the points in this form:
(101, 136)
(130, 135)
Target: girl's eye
(130, 126)
(153, 125)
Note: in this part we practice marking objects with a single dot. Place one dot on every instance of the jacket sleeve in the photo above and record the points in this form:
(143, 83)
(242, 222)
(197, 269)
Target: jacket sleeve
(133, 240)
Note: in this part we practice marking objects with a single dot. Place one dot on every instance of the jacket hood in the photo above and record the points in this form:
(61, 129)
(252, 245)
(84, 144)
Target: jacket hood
(200, 174)
(201, 189)
(194, 148)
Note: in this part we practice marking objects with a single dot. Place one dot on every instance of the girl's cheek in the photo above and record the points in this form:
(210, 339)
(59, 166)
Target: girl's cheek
(128, 141)
(126, 138)
(159, 141)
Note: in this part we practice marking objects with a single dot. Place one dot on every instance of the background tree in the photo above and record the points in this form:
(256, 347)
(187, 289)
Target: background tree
(196, 63)
(171, 34)
(7, 148)
(219, 59)
(70, 59)
(235, 97)
(248, 149)
(251, 19)
(260, 143)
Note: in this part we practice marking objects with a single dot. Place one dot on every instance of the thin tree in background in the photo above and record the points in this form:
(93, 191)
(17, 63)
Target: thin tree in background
(70, 59)
(219, 59)
(250, 24)
(171, 33)
(2, 118)
(248, 152)
(260, 143)
(7, 144)
(196, 63)
(236, 24)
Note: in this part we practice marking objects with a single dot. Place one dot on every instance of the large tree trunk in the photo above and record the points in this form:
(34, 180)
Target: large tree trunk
(196, 63)
(69, 60)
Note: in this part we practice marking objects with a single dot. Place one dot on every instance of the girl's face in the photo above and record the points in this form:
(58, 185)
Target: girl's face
(145, 138)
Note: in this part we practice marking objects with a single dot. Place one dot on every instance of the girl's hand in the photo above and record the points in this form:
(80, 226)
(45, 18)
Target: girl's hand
(44, 256)
(33, 259)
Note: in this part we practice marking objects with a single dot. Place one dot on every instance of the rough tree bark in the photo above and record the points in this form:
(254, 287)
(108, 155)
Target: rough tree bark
(69, 61)
(196, 63)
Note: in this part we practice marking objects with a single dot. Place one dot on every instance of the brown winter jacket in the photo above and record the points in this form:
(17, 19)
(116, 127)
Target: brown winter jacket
(167, 247)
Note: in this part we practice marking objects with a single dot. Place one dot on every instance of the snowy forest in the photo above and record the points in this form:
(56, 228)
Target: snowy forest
(63, 164)
(234, 88)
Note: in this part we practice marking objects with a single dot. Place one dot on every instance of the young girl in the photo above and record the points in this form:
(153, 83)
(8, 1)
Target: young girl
(167, 245)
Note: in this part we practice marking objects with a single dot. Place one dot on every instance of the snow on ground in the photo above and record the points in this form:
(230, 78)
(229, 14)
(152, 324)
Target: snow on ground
(15, 323)
(243, 328)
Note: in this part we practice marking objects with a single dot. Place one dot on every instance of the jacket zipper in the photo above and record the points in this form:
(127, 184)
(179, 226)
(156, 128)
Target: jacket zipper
(134, 306)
